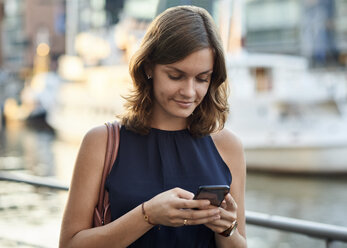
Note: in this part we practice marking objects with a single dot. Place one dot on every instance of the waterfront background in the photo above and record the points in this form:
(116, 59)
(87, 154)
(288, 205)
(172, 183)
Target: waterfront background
(63, 68)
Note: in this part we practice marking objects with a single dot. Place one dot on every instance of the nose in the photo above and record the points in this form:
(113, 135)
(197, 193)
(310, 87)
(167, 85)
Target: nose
(188, 88)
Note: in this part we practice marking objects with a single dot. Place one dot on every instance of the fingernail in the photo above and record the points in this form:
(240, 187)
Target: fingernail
(217, 217)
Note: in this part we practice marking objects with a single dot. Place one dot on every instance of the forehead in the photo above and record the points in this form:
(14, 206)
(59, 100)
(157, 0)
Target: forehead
(195, 63)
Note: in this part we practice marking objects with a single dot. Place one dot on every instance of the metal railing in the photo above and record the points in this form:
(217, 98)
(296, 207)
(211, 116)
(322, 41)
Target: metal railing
(33, 180)
(326, 232)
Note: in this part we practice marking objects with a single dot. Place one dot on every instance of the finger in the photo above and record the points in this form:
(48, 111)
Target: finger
(181, 193)
(199, 214)
(230, 202)
(218, 226)
(192, 204)
(228, 215)
(224, 204)
(201, 220)
(210, 206)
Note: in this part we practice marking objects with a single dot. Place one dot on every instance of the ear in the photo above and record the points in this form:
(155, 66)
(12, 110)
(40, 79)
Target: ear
(148, 69)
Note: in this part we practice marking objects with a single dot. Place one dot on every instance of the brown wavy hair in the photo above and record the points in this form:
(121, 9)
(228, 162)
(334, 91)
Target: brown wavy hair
(172, 36)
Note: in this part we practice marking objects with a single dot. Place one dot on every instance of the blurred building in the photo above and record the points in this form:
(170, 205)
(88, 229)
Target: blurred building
(164, 4)
(28, 23)
(90, 16)
(316, 29)
(1, 18)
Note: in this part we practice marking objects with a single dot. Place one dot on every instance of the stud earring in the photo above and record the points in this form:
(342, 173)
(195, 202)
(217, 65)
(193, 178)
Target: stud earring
(149, 76)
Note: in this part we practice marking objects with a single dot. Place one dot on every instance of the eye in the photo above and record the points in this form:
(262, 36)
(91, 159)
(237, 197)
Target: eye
(174, 77)
(206, 80)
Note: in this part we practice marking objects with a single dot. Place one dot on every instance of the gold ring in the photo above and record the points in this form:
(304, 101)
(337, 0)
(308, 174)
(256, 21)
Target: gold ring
(185, 222)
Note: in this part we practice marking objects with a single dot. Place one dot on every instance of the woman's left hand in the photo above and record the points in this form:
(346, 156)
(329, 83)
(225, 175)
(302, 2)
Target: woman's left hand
(228, 214)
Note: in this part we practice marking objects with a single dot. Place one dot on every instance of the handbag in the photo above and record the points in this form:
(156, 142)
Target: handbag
(102, 211)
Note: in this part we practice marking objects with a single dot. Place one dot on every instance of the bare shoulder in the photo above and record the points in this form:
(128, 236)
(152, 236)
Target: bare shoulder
(95, 136)
(226, 139)
(93, 146)
(230, 148)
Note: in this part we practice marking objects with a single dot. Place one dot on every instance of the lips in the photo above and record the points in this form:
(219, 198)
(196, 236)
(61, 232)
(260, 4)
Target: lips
(184, 104)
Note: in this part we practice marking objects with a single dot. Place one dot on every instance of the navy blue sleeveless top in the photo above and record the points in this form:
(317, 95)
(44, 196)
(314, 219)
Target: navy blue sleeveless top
(147, 165)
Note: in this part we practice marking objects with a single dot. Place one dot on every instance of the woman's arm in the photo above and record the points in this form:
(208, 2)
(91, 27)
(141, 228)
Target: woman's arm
(231, 151)
(76, 228)
(166, 208)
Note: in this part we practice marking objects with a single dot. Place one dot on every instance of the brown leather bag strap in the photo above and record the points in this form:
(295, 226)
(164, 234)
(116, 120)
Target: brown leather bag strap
(110, 157)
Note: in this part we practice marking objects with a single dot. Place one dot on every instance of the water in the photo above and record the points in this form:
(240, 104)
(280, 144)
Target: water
(309, 198)
(31, 217)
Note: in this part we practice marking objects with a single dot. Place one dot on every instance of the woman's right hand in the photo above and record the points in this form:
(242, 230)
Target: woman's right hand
(176, 207)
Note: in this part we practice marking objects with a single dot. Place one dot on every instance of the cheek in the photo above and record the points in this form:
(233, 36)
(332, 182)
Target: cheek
(159, 94)
(202, 91)
(162, 90)
(158, 86)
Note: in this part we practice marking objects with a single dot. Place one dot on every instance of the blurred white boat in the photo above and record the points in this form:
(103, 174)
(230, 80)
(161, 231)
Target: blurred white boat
(37, 97)
(93, 101)
(290, 118)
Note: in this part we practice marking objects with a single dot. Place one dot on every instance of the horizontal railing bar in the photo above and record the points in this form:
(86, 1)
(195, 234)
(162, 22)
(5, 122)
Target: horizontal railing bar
(310, 228)
(33, 180)
(21, 242)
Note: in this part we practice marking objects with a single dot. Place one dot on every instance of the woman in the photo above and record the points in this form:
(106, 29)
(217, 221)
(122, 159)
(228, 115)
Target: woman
(171, 141)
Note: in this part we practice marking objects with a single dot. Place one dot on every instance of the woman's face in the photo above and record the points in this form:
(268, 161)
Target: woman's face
(180, 87)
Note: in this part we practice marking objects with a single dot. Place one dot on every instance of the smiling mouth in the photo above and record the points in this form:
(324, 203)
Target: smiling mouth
(184, 104)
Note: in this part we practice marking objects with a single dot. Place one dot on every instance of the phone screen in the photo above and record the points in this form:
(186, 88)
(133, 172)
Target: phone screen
(214, 193)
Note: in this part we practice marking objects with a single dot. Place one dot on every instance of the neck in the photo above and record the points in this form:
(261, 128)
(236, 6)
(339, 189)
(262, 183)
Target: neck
(169, 125)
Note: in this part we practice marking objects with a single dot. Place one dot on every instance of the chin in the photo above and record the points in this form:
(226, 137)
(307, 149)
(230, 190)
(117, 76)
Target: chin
(183, 114)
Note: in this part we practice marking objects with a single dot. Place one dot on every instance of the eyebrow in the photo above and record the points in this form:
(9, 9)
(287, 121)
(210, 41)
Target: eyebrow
(180, 71)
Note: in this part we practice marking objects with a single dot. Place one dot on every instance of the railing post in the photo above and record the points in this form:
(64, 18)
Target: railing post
(328, 242)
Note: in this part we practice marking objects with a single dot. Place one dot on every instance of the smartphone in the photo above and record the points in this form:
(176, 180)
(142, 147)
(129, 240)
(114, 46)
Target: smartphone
(214, 193)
